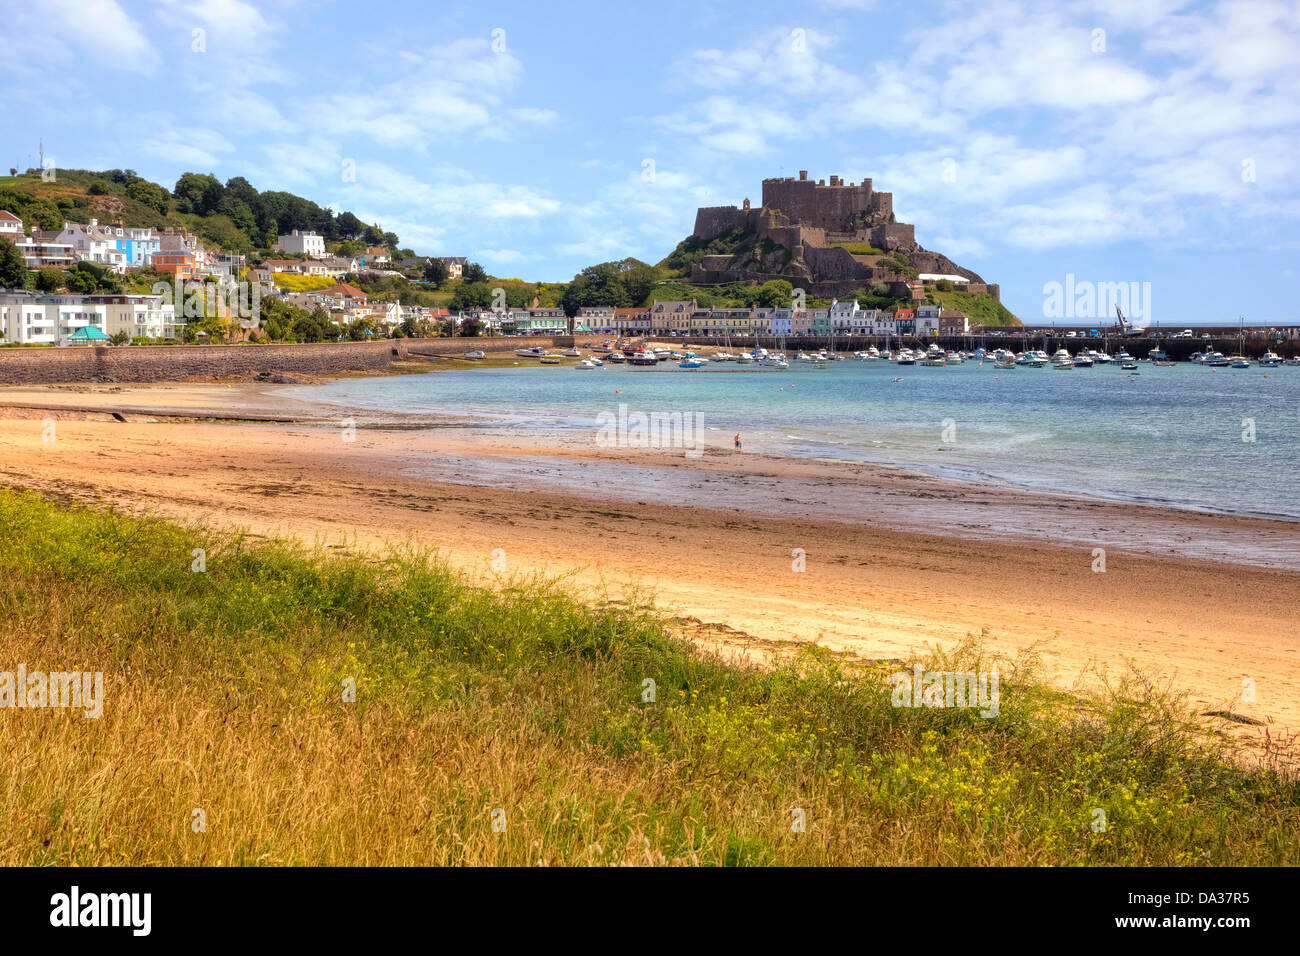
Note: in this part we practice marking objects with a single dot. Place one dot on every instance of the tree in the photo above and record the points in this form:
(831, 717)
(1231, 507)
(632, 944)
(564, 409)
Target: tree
(473, 272)
(350, 226)
(238, 187)
(776, 294)
(362, 329)
(119, 338)
(435, 271)
(313, 326)
(149, 194)
(638, 278)
(944, 285)
(471, 295)
(198, 193)
(238, 212)
(49, 279)
(13, 271)
(596, 285)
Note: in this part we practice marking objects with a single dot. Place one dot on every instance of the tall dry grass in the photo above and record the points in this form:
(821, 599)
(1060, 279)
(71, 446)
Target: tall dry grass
(519, 704)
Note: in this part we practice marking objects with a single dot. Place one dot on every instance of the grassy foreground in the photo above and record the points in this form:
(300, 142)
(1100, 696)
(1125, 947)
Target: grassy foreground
(506, 725)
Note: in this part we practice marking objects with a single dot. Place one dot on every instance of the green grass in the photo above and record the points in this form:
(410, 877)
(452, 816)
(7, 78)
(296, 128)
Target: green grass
(223, 693)
(858, 249)
(981, 307)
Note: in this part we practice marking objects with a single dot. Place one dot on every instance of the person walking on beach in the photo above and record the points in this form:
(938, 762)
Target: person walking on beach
(737, 441)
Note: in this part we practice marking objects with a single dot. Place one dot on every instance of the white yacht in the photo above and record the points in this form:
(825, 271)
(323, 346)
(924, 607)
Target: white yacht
(1062, 359)
(1032, 359)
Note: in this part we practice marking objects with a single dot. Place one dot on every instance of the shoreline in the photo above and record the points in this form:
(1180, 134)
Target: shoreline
(715, 538)
(253, 402)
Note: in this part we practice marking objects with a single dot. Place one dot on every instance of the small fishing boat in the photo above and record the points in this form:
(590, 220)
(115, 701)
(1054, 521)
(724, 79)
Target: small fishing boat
(906, 357)
(617, 357)
(1062, 359)
(534, 352)
(1239, 361)
(1128, 366)
(690, 363)
(549, 358)
(475, 354)
(588, 363)
(933, 358)
(571, 353)
(1270, 360)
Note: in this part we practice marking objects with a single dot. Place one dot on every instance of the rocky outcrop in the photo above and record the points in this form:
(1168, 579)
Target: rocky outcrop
(805, 232)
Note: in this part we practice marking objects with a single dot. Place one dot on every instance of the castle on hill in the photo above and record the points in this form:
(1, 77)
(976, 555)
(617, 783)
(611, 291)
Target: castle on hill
(816, 233)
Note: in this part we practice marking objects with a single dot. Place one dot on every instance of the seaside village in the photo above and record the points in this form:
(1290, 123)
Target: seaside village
(52, 318)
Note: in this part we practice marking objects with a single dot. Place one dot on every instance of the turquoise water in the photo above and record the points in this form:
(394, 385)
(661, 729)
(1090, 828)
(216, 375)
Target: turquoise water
(1171, 435)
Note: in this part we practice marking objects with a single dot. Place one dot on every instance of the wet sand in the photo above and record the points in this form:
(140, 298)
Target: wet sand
(895, 561)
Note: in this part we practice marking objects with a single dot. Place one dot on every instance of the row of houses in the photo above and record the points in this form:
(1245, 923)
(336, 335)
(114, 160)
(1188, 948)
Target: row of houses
(34, 318)
(118, 248)
(687, 318)
(839, 318)
(307, 243)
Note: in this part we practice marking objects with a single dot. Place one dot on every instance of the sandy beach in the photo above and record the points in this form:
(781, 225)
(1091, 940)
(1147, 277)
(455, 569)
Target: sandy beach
(894, 561)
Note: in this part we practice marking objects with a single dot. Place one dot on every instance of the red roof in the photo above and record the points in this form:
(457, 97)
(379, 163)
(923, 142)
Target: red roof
(7, 216)
(343, 289)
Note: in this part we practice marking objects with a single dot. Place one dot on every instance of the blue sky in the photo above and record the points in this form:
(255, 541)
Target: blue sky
(1020, 140)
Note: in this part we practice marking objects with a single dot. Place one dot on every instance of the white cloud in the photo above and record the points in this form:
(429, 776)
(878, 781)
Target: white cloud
(100, 29)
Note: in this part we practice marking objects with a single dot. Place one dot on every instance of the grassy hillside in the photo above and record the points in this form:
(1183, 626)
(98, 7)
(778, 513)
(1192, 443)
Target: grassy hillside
(232, 216)
(68, 198)
(981, 307)
(514, 725)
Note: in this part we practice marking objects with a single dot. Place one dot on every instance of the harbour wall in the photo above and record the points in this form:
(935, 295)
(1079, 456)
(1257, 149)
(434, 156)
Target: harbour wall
(174, 363)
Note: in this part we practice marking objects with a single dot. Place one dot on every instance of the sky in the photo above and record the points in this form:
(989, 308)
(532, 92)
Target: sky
(1150, 143)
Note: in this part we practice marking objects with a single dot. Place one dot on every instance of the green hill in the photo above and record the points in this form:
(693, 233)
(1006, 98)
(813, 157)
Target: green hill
(233, 215)
(980, 307)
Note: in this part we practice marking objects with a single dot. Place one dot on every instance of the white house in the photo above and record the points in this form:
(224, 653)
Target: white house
(93, 244)
(305, 243)
(927, 319)
(11, 227)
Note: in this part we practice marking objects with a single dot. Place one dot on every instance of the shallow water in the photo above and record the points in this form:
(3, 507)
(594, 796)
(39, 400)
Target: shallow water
(1170, 435)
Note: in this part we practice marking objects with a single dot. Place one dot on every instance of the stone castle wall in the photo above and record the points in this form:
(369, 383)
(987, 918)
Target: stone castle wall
(714, 221)
(838, 207)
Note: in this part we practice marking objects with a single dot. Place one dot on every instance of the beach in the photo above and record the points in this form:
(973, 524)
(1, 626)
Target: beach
(745, 550)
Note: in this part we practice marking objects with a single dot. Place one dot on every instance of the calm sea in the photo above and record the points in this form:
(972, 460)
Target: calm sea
(1173, 435)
